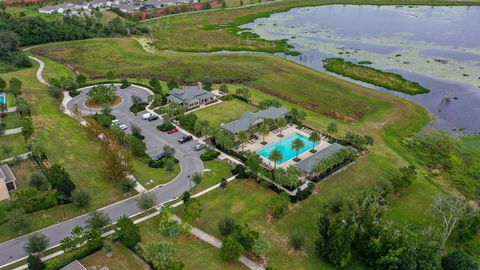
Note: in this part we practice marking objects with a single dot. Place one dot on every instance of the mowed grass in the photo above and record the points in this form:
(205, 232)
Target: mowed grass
(195, 253)
(122, 259)
(23, 170)
(12, 120)
(143, 173)
(321, 93)
(15, 145)
(224, 112)
(67, 143)
(215, 170)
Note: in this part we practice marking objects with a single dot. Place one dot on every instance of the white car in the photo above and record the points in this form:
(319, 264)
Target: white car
(146, 116)
(123, 127)
(115, 122)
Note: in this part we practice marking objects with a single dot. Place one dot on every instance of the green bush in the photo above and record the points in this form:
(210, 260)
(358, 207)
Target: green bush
(458, 260)
(165, 127)
(210, 154)
(66, 258)
(156, 163)
(138, 107)
(279, 205)
(104, 120)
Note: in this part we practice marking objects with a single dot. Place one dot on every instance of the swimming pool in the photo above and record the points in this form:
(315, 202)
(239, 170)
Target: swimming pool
(3, 99)
(285, 147)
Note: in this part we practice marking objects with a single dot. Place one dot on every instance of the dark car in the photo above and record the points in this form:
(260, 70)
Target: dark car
(159, 156)
(185, 139)
(152, 118)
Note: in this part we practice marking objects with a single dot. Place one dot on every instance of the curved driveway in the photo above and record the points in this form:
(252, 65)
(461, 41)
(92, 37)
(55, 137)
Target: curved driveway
(189, 161)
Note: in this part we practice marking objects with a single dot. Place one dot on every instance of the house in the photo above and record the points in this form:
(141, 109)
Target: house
(103, 3)
(307, 165)
(65, 8)
(129, 8)
(191, 97)
(250, 119)
(8, 182)
(75, 265)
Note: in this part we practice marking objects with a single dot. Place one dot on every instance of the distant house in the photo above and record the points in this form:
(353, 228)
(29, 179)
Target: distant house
(307, 165)
(65, 8)
(191, 97)
(8, 182)
(250, 119)
(129, 8)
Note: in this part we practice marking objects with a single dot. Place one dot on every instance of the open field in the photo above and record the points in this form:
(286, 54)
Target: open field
(216, 30)
(216, 170)
(316, 91)
(15, 142)
(373, 76)
(122, 259)
(195, 253)
(143, 173)
(224, 112)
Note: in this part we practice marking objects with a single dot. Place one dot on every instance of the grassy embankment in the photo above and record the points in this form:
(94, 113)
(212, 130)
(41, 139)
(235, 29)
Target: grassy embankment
(385, 117)
(373, 76)
(225, 112)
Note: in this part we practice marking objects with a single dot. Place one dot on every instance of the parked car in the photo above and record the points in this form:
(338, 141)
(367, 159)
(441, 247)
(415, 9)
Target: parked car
(153, 117)
(173, 130)
(159, 156)
(185, 139)
(123, 126)
(199, 147)
(115, 122)
(146, 116)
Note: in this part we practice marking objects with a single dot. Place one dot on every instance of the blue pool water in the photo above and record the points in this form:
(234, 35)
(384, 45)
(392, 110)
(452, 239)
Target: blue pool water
(285, 147)
(2, 98)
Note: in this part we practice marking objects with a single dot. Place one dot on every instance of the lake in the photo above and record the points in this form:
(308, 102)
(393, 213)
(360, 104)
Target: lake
(439, 47)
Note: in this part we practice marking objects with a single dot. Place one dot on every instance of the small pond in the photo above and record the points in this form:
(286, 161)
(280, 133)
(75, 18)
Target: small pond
(439, 47)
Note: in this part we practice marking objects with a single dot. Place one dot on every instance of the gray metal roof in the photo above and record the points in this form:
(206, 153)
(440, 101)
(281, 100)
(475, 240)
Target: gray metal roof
(6, 173)
(309, 163)
(75, 265)
(248, 118)
(186, 95)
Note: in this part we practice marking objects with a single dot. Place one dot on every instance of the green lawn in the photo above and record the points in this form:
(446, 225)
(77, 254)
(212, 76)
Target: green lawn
(215, 171)
(143, 173)
(224, 112)
(32, 11)
(12, 120)
(15, 145)
(195, 253)
(10, 100)
(23, 170)
(122, 259)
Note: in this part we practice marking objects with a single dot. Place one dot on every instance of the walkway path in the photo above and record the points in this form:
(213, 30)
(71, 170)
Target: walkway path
(12, 131)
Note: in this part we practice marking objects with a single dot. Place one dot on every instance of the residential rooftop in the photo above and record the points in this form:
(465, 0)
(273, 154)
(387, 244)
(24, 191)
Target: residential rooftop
(307, 165)
(250, 119)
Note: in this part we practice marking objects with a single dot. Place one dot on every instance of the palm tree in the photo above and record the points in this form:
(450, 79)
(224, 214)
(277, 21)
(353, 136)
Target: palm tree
(242, 138)
(314, 138)
(275, 156)
(297, 144)
(263, 130)
(332, 128)
(281, 123)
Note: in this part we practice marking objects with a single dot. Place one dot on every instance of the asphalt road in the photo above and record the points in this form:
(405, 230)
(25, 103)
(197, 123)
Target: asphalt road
(190, 164)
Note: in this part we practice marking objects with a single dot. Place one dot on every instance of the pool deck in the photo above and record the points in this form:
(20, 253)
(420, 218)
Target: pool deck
(273, 137)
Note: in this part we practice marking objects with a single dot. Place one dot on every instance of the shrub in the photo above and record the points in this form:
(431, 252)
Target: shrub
(125, 83)
(127, 232)
(105, 120)
(226, 225)
(156, 163)
(82, 252)
(239, 170)
(210, 154)
(231, 248)
(458, 260)
(165, 127)
(39, 181)
(296, 240)
(146, 201)
(81, 198)
(128, 185)
(35, 263)
(55, 92)
(228, 97)
(33, 200)
(136, 108)
(279, 205)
